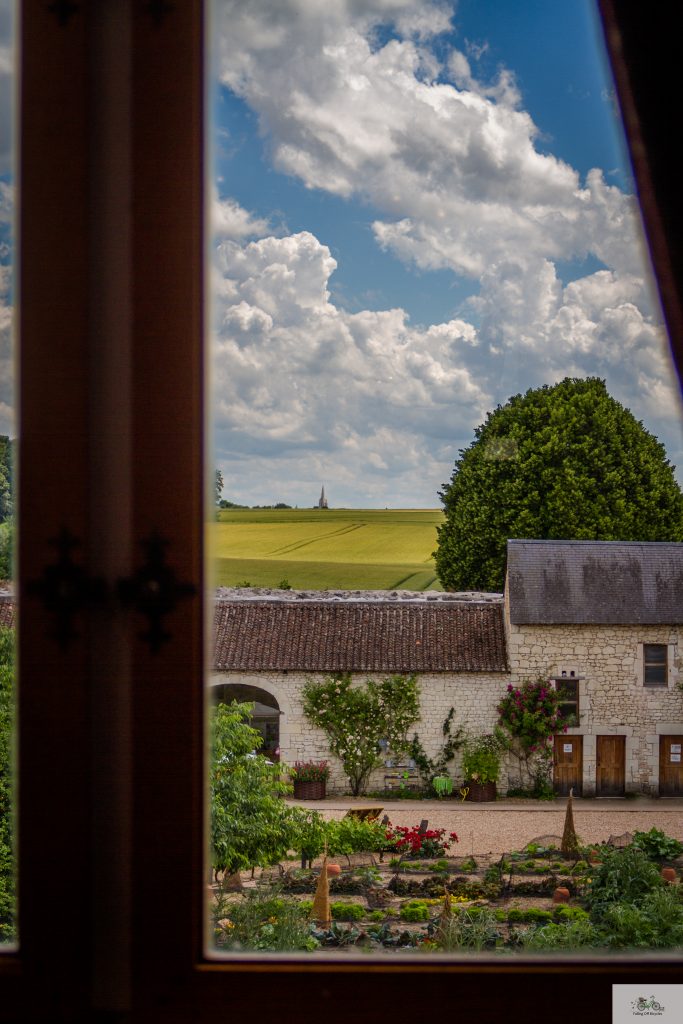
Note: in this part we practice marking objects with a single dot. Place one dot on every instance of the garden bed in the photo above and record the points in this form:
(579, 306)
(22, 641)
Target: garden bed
(451, 904)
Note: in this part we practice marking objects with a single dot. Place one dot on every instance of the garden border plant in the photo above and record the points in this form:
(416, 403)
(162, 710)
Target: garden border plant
(360, 721)
(528, 719)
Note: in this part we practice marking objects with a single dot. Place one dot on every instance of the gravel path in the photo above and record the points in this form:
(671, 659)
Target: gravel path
(507, 825)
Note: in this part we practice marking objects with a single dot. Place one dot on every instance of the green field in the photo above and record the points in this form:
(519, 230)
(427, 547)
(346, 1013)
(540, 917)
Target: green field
(333, 549)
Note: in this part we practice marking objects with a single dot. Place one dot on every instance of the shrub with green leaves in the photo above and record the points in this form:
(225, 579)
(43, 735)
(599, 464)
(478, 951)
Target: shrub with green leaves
(250, 825)
(347, 911)
(656, 922)
(474, 928)
(351, 835)
(570, 935)
(414, 910)
(657, 845)
(261, 921)
(358, 719)
(625, 876)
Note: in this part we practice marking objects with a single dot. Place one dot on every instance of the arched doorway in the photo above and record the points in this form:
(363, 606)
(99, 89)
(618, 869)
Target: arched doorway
(265, 716)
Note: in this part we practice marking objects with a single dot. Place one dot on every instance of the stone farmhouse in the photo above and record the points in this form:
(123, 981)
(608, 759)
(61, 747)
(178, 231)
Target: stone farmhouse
(601, 620)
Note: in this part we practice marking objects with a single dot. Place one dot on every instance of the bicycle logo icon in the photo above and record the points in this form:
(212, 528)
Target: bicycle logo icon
(641, 1004)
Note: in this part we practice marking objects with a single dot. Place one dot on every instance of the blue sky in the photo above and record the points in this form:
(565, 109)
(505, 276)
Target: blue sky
(420, 209)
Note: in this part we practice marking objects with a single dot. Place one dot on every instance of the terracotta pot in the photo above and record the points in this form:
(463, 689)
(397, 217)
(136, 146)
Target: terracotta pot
(333, 869)
(309, 790)
(669, 875)
(561, 895)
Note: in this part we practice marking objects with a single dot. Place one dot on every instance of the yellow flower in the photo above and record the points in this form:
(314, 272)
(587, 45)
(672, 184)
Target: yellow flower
(225, 923)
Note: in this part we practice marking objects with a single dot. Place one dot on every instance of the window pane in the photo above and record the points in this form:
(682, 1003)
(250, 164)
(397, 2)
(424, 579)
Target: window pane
(417, 212)
(655, 656)
(7, 452)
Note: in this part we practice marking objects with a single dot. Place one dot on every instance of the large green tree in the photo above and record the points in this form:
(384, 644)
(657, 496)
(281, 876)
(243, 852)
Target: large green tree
(563, 462)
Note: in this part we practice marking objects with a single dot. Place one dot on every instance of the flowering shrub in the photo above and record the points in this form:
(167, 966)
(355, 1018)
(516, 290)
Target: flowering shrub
(357, 718)
(311, 771)
(415, 842)
(529, 717)
(481, 759)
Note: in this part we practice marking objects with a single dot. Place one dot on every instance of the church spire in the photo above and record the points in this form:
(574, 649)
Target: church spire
(322, 503)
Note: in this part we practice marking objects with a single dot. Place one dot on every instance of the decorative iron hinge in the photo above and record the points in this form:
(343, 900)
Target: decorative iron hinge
(65, 588)
(154, 591)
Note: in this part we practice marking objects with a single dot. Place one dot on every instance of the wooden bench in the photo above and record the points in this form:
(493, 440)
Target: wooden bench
(364, 813)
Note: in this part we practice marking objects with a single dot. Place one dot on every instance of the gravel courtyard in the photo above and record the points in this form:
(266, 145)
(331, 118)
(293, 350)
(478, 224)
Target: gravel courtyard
(496, 828)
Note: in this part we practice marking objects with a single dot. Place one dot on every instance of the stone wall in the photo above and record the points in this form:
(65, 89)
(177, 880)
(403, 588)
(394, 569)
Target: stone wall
(608, 662)
(474, 696)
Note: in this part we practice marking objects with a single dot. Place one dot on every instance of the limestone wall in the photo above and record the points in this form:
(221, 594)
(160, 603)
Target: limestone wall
(473, 695)
(608, 660)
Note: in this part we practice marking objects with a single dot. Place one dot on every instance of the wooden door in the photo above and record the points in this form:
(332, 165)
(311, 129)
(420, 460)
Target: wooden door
(568, 765)
(611, 766)
(670, 766)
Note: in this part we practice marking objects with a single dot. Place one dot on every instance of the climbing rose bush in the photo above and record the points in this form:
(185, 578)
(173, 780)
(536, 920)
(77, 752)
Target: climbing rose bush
(357, 719)
(528, 718)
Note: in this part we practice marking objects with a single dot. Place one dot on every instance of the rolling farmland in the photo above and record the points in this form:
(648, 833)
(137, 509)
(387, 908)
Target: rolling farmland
(333, 549)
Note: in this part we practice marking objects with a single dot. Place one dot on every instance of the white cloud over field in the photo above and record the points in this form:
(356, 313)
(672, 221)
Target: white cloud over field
(353, 101)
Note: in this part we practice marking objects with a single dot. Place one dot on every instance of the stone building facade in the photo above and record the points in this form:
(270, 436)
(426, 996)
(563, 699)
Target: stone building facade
(592, 614)
(600, 620)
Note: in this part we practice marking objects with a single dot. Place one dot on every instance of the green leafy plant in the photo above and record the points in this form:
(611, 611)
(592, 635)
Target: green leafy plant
(656, 922)
(564, 913)
(352, 835)
(475, 928)
(565, 936)
(657, 845)
(250, 824)
(625, 876)
(429, 768)
(261, 920)
(356, 719)
(532, 915)
(481, 759)
(414, 910)
(347, 911)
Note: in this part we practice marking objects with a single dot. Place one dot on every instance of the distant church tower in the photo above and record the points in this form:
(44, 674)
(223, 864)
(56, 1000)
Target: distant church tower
(323, 500)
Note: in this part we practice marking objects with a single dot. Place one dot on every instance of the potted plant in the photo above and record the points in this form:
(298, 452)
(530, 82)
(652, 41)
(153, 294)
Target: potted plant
(481, 767)
(310, 779)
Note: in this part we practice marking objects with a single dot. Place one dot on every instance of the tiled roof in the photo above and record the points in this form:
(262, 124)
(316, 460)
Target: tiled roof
(595, 582)
(324, 636)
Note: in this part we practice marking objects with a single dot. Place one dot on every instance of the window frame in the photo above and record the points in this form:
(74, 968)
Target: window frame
(106, 172)
(573, 703)
(658, 663)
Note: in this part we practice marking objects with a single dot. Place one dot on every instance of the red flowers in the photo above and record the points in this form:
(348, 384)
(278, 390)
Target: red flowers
(414, 842)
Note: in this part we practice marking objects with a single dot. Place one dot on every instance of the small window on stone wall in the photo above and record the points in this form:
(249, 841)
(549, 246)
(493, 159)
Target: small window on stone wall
(568, 692)
(654, 665)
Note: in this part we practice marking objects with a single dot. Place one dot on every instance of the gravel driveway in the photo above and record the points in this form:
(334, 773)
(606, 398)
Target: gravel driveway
(508, 825)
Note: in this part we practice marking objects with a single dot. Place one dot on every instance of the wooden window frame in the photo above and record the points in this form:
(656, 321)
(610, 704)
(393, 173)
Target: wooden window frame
(111, 774)
(650, 662)
(569, 707)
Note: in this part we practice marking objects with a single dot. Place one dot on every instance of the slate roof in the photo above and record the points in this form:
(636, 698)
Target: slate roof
(358, 636)
(595, 582)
